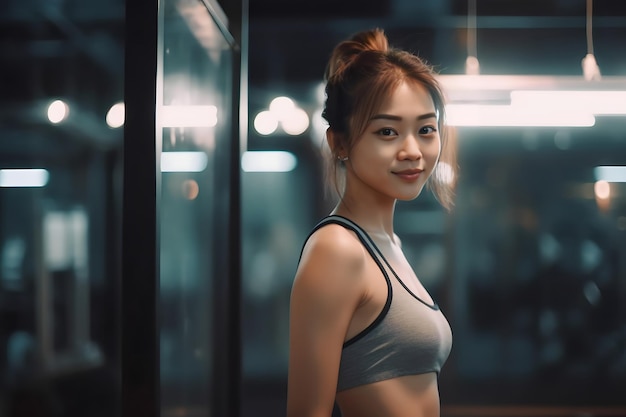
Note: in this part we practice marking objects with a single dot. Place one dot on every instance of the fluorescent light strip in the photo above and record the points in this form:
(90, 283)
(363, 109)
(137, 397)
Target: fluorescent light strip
(509, 116)
(594, 102)
(183, 161)
(188, 116)
(610, 173)
(268, 161)
(23, 177)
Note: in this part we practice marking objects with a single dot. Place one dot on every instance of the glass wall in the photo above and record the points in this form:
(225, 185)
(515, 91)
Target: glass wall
(71, 285)
(196, 85)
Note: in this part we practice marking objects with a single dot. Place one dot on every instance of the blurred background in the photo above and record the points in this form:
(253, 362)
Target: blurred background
(529, 266)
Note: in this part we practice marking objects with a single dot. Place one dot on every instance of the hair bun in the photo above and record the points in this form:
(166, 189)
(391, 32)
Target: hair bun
(347, 51)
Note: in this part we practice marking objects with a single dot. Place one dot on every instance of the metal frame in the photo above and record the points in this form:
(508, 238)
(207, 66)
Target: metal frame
(140, 255)
(140, 373)
(227, 368)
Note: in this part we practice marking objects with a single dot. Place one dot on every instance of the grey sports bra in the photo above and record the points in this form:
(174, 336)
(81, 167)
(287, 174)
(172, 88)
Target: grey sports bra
(409, 336)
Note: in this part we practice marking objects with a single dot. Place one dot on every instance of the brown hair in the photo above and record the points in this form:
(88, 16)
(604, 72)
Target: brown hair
(362, 72)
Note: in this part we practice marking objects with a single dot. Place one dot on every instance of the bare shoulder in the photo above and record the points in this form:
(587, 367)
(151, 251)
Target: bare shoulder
(328, 288)
(332, 256)
(334, 246)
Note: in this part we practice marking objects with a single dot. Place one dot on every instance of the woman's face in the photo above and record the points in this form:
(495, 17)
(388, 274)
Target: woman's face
(400, 147)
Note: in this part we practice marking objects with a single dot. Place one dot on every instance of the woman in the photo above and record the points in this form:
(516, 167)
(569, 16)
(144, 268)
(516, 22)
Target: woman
(364, 333)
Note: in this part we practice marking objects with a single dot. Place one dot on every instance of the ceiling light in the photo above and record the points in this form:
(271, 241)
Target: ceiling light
(505, 115)
(283, 112)
(594, 102)
(610, 173)
(268, 161)
(183, 161)
(296, 122)
(265, 123)
(23, 177)
(188, 116)
(591, 70)
(281, 105)
(58, 111)
(115, 115)
(472, 66)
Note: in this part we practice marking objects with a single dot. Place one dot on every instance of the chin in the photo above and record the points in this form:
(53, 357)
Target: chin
(409, 197)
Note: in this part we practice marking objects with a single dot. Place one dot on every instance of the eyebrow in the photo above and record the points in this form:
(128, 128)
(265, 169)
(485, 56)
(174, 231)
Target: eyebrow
(392, 117)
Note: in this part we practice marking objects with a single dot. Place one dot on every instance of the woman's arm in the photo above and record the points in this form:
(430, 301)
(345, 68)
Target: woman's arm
(327, 290)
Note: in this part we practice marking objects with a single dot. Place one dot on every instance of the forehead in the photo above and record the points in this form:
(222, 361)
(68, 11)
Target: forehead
(410, 99)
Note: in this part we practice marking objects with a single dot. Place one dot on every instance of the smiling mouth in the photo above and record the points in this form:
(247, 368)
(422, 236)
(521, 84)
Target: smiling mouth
(409, 174)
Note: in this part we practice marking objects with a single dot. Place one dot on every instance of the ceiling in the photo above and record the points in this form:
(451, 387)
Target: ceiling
(291, 41)
(75, 48)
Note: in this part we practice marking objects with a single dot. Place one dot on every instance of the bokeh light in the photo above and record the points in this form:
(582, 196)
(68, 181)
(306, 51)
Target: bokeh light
(58, 111)
(265, 123)
(115, 115)
(296, 122)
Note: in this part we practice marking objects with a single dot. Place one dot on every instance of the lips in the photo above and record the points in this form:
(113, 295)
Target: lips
(409, 174)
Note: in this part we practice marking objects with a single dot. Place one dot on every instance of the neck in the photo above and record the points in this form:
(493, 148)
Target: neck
(375, 217)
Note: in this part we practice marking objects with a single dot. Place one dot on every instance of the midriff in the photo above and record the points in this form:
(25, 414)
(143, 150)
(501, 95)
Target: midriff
(406, 396)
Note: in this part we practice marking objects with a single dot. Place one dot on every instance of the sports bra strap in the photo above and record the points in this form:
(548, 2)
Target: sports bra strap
(361, 234)
(347, 221)
(374, 253)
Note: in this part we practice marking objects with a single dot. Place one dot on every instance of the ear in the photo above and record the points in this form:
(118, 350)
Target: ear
(334, 142)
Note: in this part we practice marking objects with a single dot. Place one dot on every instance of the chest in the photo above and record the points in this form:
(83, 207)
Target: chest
(403, 271)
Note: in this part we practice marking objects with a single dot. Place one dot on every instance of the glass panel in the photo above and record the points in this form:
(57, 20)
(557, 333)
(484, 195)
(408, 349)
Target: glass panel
(193, 116)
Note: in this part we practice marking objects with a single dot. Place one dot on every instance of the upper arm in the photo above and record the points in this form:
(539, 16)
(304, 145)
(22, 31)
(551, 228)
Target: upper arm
(327, 290)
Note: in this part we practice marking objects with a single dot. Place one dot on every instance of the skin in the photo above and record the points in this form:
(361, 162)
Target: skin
(339, 290)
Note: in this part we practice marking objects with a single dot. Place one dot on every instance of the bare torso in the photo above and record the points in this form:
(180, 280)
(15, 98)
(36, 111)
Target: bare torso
(408, 396)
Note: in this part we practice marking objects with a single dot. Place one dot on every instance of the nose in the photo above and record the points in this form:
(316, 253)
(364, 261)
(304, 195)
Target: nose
(410, 149)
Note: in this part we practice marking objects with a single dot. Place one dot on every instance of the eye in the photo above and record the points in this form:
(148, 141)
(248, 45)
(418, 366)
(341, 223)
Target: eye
(387, 131)
(427, 130)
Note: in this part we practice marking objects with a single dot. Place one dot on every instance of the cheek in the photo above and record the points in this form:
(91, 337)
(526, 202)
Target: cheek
(434, 150)
(374, 153)
(432, 154)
